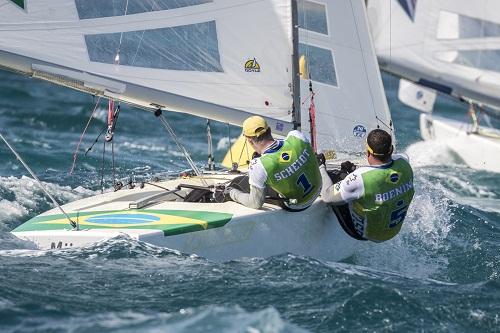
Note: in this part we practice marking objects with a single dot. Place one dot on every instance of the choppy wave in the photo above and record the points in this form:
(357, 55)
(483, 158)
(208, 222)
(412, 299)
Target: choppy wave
(429, 153)
(441, 274)
(203, 319)
(417, 250)
(21, 198)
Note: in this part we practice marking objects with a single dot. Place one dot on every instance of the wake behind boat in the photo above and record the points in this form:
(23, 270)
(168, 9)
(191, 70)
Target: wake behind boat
(222, 60)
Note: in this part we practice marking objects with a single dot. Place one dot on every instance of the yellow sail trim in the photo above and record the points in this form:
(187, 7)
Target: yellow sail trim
(241, 153)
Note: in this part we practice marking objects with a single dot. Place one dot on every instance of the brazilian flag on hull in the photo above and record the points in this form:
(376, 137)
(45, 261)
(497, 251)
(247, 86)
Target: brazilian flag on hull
(171, 222)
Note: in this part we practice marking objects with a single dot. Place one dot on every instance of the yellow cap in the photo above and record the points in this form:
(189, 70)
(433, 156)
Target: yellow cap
(254, 126)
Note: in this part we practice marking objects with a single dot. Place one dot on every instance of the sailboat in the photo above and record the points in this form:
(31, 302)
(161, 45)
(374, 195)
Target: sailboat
(447, 47)
(223, 60)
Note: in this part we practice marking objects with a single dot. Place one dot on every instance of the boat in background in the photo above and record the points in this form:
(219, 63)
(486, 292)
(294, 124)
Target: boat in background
(450, 47)
(219, 59)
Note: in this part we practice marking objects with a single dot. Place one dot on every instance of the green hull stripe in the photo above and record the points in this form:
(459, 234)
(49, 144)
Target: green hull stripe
(171, 222)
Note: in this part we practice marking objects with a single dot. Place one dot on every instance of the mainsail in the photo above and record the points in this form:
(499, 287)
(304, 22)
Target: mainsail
(452, 46)
(219, 59)
(198, 56)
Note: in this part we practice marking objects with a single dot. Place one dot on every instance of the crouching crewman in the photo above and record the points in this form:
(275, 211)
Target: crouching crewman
(378, 195)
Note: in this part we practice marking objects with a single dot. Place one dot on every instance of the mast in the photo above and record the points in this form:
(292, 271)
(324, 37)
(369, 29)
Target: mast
(295, 67)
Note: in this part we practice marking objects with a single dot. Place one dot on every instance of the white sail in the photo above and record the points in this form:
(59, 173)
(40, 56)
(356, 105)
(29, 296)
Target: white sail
(349, 95)
(449, 45)
(220, 59)
(213, 58)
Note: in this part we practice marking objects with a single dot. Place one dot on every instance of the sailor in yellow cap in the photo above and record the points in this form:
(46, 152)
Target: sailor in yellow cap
(288, 166)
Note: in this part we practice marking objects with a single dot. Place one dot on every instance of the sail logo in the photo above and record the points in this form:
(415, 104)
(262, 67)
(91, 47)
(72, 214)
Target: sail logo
(359, 131)
(252, 66)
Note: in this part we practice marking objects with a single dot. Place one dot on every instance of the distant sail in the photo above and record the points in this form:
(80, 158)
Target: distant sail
(185, 55)
(450, 46)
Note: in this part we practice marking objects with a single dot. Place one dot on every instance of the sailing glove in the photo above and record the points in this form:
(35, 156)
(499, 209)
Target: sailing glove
(347, 167)
(321, 159)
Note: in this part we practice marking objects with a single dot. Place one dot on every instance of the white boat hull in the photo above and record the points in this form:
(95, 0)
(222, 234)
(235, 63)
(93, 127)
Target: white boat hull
(217, 231)
(478, 150)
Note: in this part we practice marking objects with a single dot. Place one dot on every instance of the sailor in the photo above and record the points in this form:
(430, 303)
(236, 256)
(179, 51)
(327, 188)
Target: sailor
(378, 195)
(287, 166)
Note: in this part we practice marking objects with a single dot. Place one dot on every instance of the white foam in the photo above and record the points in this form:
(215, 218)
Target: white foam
(138, 146)
(101, 114)
(461, 186)
(416, 251)
(29, 198)
(426, 153)
(212, 318)
(224, 143)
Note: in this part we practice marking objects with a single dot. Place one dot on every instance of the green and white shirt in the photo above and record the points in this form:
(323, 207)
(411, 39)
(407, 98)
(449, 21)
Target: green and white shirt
(290, 167)
(379, 197)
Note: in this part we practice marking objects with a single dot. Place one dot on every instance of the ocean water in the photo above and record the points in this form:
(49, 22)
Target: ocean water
(441, 274)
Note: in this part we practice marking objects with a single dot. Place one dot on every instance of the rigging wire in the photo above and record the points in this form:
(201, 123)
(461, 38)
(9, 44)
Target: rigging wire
(75, 154)
(180, 146)
(102, 165)
(364, 62)
(153, 3)
(73, 224)
(241, 153)
(117, 57)
(113, 163)
(211, 162)
(230, 147)
(312, 118)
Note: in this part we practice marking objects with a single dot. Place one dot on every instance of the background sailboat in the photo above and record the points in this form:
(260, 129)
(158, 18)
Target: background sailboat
(451, 47)
(206, 58)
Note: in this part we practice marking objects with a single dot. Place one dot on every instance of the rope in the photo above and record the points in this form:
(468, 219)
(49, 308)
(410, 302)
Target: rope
(102, 166)
(182, 149)
(113, 163)
(75, 154)
(211, 165)
(312, 118)
(241, 153)
(73, 224)
(229, 138)
(248, 153)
